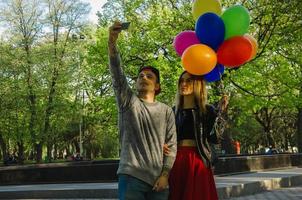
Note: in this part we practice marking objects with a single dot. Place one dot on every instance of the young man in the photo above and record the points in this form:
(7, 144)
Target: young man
(145, 125)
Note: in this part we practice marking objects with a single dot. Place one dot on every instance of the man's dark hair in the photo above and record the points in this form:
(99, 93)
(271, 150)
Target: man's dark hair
(152, 69)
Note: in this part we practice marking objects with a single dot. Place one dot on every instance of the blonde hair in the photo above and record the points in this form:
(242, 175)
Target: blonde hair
(199, 92)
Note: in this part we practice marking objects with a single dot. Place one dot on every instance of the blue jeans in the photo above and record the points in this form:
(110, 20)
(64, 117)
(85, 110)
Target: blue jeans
(130, 188)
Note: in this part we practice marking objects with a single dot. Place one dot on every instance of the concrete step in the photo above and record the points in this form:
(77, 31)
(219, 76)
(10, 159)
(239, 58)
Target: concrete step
(227, 186)
(251, 183)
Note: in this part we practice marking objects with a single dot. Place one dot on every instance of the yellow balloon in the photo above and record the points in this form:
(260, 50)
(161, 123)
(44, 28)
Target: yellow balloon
(203, 6)
(199, 59)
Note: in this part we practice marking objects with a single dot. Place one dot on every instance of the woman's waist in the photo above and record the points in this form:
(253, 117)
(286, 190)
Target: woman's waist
(187, 143)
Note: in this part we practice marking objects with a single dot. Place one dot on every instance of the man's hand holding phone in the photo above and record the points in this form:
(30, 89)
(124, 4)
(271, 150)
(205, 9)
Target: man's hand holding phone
(115, 30)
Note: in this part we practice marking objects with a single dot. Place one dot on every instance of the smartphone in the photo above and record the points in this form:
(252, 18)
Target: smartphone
(125, 25)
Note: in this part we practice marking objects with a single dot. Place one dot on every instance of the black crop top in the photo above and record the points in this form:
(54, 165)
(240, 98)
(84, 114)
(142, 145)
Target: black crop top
(185, 127)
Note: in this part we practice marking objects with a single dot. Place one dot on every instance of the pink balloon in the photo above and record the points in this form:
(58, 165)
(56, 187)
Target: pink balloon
(184, 40)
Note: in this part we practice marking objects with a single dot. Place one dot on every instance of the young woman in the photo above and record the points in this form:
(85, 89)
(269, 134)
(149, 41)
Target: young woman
(191, 177)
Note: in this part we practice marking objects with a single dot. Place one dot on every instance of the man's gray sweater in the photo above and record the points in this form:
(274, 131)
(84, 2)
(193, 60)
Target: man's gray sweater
(144, 129)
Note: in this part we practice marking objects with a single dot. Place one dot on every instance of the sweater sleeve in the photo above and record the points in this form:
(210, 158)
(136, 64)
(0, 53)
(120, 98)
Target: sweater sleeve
(170, 141)
(121, 88)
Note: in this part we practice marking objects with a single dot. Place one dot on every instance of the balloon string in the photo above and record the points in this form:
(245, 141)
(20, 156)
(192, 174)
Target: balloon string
(220, 122)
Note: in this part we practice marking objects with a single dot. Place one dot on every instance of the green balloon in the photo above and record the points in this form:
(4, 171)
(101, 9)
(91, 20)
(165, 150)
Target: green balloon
(236, 21)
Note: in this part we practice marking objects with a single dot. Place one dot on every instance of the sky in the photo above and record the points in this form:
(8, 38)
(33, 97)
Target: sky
(96, 5)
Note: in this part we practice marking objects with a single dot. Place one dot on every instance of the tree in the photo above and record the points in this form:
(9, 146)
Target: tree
(63, 16)
(53, 83)
(23, 18)
(27, 23)
(271, 81)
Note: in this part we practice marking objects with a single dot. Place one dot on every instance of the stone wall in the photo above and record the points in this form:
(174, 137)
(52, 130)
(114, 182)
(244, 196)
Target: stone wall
(105, 171)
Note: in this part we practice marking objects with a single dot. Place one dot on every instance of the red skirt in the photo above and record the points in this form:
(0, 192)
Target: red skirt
(190, 179)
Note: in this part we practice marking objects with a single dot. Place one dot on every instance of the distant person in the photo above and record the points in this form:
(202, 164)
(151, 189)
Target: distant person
(271, 150)
(191, 177)
(11, 159)
(236, 145)
(145, 125)
(77, 157)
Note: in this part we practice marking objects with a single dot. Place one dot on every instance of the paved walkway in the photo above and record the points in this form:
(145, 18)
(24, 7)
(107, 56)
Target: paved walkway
(294, 193)
(227, 187)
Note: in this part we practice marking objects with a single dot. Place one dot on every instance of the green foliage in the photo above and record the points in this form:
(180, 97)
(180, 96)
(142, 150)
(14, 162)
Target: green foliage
(265, 94)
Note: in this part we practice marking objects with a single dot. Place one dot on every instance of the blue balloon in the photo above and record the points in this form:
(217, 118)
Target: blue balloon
(215, 74)
(210, 30)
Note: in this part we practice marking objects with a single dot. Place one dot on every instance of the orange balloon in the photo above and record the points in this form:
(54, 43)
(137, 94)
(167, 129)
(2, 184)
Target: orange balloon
(254, 45)
(199, 59)
(234, 51)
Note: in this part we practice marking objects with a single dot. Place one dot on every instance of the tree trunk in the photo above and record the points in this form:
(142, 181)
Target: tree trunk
(68, 152)
(55, 153)
(3, 147)
(20, 153)
(264, 117)
(77, 146)
(49, 108)
(49, 149)
(269, 138)
(39, 152)
(286, 142)
(299, 130)
(32, 102)
(88, 152)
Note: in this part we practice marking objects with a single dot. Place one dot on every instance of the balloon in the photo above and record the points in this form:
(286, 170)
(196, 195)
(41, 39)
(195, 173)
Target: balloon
(254, 45)
(234, 51)
(202, 6)
(183, 40)
(199, 59)
(215, 74)
(210, 30)
(236, 21)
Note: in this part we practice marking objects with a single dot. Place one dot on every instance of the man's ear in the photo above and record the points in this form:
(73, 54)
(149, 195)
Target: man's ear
(157, 88)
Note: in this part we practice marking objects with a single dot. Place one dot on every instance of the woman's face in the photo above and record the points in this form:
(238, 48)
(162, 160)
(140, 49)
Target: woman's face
(186, 85)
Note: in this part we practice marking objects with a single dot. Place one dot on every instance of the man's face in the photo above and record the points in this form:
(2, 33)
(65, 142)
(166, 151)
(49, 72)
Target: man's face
(186, 85)
(146, 81)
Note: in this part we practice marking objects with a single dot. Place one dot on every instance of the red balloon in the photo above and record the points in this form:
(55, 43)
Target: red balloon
(234, 51)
